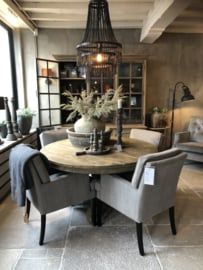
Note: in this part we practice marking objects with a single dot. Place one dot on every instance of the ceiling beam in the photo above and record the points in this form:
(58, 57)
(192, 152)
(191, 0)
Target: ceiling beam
(21, 15)
(81, 24)
(160, 17)
(83, 16)
(62, 7)
(86, 1)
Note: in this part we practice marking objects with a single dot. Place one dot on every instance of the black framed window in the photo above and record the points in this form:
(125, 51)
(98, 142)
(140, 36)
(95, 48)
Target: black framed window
(8, 86)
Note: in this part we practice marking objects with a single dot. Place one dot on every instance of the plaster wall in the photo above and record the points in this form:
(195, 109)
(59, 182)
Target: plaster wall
(172, 58)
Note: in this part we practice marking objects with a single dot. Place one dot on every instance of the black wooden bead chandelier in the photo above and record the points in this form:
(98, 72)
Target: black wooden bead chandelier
(99, 50)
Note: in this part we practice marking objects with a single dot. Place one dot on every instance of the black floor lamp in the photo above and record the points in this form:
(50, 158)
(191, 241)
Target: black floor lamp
(186, 97)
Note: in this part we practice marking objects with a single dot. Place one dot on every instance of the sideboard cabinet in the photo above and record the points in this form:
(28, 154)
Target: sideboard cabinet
(54, 77)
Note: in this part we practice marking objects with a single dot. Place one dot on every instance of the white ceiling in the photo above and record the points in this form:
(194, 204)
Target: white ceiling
(153, 17)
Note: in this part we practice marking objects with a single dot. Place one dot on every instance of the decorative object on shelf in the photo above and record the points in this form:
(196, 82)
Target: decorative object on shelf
(14, 119)
(47, 72)
(187, 96)
(85, 139)
(119, 127)
(25, 117)
(10, 135)
(92, 108)
(99, 50)
(159, 117)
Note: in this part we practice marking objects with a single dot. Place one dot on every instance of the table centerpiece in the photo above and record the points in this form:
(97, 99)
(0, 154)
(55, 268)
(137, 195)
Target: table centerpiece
(94, 109)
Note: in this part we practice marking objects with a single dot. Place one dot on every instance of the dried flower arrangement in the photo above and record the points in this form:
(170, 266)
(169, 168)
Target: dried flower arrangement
(90, 105)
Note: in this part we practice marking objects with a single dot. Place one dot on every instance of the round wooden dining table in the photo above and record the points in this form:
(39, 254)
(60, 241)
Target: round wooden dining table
(62, 156)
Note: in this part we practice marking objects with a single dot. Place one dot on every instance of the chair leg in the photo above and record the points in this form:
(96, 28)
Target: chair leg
(99, 213)
(140, 238)
(96, 212)
(42, 231)
(27, 210)
(172, 219)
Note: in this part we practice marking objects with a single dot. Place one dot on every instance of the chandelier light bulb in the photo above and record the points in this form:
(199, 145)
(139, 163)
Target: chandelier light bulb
(99, 58)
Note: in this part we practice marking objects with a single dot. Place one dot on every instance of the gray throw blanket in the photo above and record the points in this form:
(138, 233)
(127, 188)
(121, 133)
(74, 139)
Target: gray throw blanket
(18, 159)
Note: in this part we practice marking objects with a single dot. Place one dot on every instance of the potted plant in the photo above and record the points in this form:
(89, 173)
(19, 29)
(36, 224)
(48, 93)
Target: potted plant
(159, 117)
(25, 120)
(92, 108)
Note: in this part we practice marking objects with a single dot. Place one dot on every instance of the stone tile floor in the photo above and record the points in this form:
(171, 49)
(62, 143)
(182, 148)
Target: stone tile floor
(72, 243)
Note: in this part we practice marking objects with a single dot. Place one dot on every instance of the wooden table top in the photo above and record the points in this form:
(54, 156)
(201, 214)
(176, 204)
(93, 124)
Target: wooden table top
(61, 155)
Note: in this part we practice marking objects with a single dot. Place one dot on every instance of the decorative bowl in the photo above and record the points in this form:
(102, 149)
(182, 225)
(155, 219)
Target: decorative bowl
(83, 139)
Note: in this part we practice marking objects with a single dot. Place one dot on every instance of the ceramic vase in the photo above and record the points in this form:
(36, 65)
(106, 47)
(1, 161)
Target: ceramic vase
(85, 125)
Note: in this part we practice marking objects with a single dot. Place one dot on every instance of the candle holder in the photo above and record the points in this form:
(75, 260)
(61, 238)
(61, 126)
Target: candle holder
(119, 124)
(10, 136)
(14, 119)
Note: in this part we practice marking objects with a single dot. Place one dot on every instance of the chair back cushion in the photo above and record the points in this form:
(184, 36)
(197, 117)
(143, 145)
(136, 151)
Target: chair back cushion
(153, 199)
(49, 136)
(39, 169)
(195, 128)
(139, 169)
(149, 136)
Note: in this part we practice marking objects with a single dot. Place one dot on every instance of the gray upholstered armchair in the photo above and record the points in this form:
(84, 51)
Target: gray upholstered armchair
(191, 141)
(50, 136)
(153, 137)
(140, 201)
(30, 180)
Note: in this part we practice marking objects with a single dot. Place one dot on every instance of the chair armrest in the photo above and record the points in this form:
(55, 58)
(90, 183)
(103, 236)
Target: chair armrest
(181, 137)
(66, 191)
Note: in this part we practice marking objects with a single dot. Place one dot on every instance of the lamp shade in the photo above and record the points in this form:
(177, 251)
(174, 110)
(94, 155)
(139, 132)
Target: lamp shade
(187, 94)
(99, 49)
(2, 103)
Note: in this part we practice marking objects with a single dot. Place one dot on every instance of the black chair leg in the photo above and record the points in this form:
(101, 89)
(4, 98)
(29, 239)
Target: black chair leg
(42, 231)
(96, 212)
(27, 210)
(172, 219)
(140, 238)
(99, 213)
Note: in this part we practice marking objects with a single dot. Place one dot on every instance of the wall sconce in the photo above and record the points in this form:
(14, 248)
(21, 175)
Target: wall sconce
(186, 97)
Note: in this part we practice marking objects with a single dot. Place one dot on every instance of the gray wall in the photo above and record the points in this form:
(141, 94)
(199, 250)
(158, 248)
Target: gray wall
(172, 58)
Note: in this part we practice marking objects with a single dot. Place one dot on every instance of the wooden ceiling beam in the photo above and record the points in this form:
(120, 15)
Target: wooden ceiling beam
(124, 24)
(61, 6)
(14, 8)
(160, 17)
(74, 16)
(84, 1)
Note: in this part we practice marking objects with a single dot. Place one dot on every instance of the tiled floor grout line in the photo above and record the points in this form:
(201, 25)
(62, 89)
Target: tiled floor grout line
(156, 255)
(66, 240)
(177, 246)
(18, 259)
(195, 192)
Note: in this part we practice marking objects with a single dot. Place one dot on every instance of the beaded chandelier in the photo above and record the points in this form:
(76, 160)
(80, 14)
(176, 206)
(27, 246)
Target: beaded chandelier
(99, 50)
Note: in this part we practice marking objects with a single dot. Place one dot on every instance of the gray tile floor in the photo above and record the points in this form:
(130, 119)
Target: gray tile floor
(72, 243)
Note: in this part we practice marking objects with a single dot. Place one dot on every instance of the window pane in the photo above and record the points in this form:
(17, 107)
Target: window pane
(5, 67)
(5, 64)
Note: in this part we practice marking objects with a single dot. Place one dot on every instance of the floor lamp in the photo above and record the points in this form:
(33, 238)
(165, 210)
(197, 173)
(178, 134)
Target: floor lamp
(186, 97)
